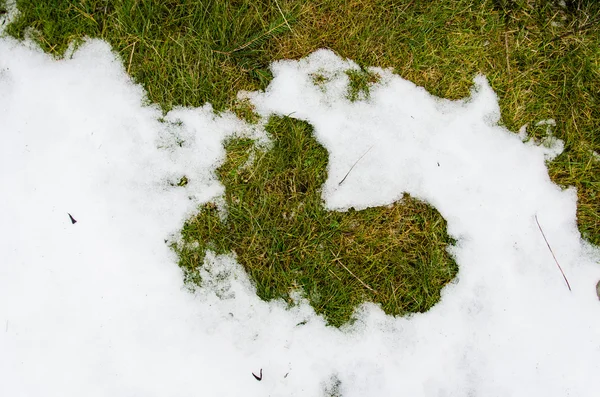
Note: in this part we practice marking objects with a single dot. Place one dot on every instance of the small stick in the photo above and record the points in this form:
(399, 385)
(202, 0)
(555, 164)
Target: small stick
(552, 252)
(354, 275)
(348, 173)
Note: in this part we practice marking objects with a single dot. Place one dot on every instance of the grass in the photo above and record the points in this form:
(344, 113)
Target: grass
(543, 61)
(286, 240)
(184, 52)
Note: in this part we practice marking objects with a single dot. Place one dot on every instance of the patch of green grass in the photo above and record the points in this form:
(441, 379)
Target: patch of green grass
(360, 81)
(282, 235)
(542, 60)
(184, 52)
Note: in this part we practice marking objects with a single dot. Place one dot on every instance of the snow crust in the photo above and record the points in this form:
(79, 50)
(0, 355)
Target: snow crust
(98, 308)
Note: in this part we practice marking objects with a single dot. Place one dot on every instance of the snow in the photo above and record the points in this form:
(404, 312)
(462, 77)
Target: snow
(10, 15)
(98, 307)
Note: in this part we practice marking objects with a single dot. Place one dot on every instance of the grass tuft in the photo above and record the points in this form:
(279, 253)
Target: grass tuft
(282, 235)
(360, 81)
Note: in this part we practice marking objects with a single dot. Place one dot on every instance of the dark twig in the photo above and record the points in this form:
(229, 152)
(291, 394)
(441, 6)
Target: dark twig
(353, 165)
(552, 252)
(73, 221)
(259, 377)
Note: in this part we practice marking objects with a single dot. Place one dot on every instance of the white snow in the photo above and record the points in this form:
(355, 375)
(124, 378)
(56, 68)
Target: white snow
(10, 15)
(98, 308)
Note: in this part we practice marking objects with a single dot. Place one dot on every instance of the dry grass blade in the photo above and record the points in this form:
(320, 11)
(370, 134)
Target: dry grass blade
(131, 57)
(337, 259)
(507, 52)
(552, 252)
(284, 18)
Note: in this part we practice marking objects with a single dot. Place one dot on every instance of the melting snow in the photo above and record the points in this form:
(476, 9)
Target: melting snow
(97, 308)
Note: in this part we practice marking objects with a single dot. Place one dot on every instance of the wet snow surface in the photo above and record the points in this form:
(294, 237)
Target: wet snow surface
(97, 308)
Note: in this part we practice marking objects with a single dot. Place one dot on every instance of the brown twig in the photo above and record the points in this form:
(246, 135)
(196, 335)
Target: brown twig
(348, 173)
(552, 252)
(338, 260)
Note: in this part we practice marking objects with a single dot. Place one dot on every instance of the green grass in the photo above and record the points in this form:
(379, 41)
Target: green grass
(285, 239)
(541, 59)
(360, 80)
(184, 52)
